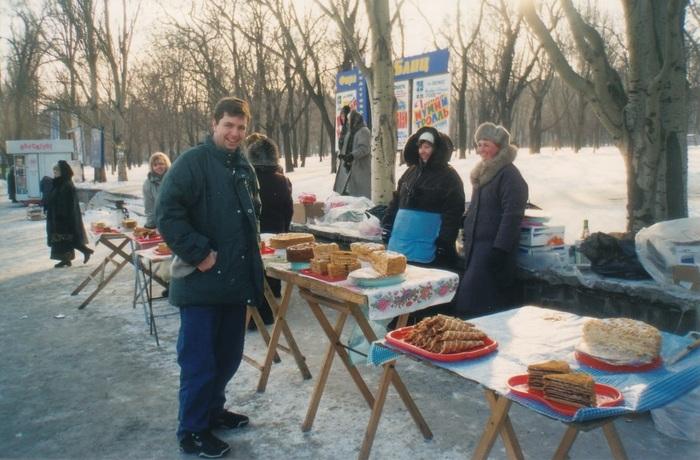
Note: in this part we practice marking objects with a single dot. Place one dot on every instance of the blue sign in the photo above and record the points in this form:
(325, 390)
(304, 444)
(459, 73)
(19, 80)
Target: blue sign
(422, 65)
(353, 87)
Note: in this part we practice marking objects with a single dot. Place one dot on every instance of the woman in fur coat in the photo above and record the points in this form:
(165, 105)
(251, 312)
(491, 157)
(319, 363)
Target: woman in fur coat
(492, 225)
(275, 196)
(64, 223)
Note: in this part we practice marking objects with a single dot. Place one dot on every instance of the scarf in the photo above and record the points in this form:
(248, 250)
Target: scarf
(486, 170)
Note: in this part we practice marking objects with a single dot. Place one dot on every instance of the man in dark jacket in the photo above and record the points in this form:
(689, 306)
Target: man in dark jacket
(492, 225)
(207, 213)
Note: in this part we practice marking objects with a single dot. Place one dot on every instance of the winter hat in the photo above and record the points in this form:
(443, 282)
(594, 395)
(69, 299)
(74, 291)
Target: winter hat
(427, 136)
(494, 133)
(262, 151)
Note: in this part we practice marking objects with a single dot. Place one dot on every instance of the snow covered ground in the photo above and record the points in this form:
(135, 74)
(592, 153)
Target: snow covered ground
(571, 187)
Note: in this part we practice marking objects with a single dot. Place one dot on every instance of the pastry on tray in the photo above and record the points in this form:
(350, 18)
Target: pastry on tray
(537, 371)
(129, 223)
(620, 340)
(319, 266)
(163, 248)
(364, 250)
(445, 334)
(302, 252)
(574, 389)
(284, 240)
(388, 263)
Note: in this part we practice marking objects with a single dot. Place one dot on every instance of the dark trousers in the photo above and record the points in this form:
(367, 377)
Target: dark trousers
(209, 351)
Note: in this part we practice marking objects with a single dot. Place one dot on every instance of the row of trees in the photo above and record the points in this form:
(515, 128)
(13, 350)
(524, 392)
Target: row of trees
(555, 73)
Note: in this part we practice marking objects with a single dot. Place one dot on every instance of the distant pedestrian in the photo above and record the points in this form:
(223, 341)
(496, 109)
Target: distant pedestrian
(11, 187)
(356, 178)
(64, 223)
(276, 199)
(492, 225)
(158, 165)
(207, 212)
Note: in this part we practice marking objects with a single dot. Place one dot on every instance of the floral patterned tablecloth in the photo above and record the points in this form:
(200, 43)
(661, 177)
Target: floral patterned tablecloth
(422, 288)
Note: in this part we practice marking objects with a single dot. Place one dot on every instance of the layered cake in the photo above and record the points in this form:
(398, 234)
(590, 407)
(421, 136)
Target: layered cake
(343, 257)
(324, 250)
(284, 240)
(620, 340)
(303, 252)
(388, 263)
(575, 389)
(537, 371)
(364, 250)
(129, 223)
(319, 266)
(341, 270)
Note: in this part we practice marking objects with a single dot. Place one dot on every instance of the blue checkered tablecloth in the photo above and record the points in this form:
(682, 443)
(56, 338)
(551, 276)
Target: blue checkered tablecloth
(531, 334)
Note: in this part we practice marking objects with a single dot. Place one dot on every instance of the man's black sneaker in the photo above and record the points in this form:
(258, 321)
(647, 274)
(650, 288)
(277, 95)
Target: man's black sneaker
(204, 444)
(229, 420)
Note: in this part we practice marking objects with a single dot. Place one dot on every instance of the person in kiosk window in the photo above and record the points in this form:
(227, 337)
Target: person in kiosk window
(492, 225)
(207, 211)
(422, 220)
(64, 222)
(276, 199)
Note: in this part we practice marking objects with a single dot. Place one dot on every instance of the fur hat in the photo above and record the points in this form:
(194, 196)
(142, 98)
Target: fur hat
(494, 133)
(262, 151)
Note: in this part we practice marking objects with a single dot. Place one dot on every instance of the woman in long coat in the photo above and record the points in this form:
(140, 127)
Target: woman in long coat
(64, 223)
(159, 163)
(276, 200)
(492, 225)
(356, 158)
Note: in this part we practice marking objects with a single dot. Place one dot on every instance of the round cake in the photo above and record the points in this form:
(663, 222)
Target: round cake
(620, 340)
(303, 252)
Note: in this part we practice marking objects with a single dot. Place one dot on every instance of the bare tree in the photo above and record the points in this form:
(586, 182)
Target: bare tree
(647, 120)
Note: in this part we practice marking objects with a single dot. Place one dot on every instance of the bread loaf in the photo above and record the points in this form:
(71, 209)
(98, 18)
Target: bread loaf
(284, 240)
(388, 263)
(364, 250)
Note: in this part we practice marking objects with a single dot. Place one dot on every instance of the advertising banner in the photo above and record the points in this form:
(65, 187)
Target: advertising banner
(97, 148)
(351, 90)
(431, 102)
(402, 94)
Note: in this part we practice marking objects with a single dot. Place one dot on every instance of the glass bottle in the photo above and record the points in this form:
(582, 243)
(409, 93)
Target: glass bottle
(585, 233)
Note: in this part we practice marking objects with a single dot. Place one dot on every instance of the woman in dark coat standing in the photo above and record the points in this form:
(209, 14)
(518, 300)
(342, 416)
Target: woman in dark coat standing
(276, 199)
(64, 223)
(492, 225)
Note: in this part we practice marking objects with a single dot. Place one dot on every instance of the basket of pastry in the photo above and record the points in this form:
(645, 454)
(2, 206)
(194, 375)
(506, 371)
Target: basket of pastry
(443, 338)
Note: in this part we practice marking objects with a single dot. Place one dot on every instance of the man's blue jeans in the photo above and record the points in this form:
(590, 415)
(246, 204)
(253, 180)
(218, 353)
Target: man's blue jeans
(209, 351)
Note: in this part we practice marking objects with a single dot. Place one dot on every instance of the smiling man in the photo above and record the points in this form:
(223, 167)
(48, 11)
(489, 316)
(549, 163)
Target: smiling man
(207, 212)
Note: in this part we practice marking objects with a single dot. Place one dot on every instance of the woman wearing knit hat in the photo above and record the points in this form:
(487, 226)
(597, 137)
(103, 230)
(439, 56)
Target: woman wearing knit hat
(492, 225)
(276, 199)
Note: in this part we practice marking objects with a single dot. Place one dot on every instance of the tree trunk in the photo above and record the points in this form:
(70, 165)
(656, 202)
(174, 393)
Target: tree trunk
(383, 110)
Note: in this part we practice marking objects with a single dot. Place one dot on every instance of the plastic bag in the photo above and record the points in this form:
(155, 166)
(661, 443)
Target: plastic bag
(680, 419)
(668, 243)
(370, 226)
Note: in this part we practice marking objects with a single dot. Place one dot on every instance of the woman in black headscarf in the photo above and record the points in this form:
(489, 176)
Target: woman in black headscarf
(64, 223)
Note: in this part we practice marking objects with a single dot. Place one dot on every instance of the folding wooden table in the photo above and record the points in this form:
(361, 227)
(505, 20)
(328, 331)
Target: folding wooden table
(144, 261)
(121, 247)
(348, 303)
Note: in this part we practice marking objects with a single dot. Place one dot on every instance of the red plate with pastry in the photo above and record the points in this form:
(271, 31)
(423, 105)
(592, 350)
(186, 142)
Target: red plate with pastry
(605, 395)
(602, 365)
(397, 338)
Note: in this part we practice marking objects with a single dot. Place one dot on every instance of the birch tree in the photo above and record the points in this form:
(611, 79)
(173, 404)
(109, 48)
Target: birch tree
(647, 120)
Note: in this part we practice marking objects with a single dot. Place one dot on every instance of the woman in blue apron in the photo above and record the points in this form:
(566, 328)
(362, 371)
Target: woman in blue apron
(425, 213)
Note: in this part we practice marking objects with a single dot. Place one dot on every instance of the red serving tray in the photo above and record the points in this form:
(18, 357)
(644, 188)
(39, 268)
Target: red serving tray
(327, 278)
(397, 336)
(605, 395)
(149, 241)
(601, 365)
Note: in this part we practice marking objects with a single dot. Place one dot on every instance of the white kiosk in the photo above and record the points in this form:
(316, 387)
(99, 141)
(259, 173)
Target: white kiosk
(34, 159)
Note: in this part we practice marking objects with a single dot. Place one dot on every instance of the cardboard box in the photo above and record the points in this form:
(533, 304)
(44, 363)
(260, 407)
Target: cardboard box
(303, 213)
(535, 250)
(542, 236)
(687, 276)
(686, 253)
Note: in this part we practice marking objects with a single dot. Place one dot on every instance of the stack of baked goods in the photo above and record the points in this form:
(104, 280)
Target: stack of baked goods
(364, 250)
(557, 383)
(537, 371)
(302, 252)
(445, 334)
(143, 232)
(284, 240)
(129, 223)
(388, 263)
(341, 263)
(322, 257)
(163, 249)
(620, 341)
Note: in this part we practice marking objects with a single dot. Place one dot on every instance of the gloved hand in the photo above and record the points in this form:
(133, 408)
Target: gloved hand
(444, 250)
(341, 157)
(349, 157)
(386, 235)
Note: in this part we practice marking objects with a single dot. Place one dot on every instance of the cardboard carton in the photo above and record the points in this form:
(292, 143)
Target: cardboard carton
(687, 276)
(542, 236)
(303, 213)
